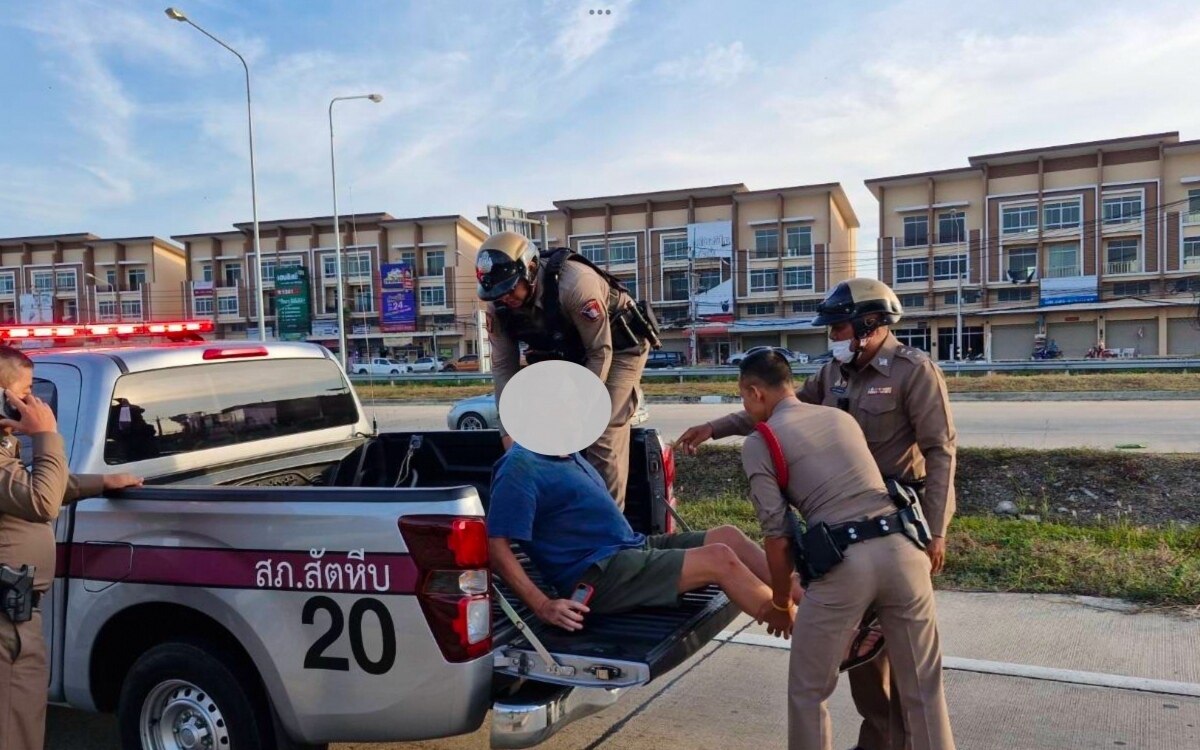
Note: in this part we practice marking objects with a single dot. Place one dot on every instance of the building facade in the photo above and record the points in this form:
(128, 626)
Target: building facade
(83, 278)
(220, 279)
(1087, 245)
(724, 267)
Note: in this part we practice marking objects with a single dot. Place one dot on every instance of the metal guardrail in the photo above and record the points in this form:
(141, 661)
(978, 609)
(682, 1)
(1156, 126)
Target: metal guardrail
(950, 368)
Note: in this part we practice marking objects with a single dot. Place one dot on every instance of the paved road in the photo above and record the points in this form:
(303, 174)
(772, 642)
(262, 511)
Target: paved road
(731, 695)
(1161, 426)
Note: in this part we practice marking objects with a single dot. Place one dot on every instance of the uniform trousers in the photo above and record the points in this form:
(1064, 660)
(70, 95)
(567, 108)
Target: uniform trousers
(610, 454)
(23, 686)
(890, 575)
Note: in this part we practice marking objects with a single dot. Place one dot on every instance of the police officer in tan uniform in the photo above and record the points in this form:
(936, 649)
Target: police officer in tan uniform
(898, 396)
(592, 322)
(823, 468)
(29, 503)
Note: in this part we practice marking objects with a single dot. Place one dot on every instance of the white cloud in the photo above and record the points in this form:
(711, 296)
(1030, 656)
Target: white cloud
(586, 27)
(716, 65)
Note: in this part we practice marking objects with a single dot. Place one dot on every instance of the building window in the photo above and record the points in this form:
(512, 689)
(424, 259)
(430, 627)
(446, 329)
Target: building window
(916, 230)
(707, 279)
(43, 281)
(363, 299)
(110, 277)
(409, 257)
(674, 247)
(797, 278)
(799, 242)
(970, 297)
(766, 243)
(70, 311)
(764, 280)
(1062, 260)
(677, 286)
(1194, 202)
(137, 278)
(435, 263)
(1190, 284)
(912, 300)
(761, 308)
(912, 269)
(1191, 250)
(227, 305)
(233, 274)
(65, 280)
(949, 267)
(952, 227)
(131, 308)
(107, 309)
(359, 264)
(433, 296)
(632, 286)
(1131, 289)
(593, 251)
(916, 338)
(806, 306)
(1122, 209)
(206, 272)
(1062, 215)
(1021, 262)
(8, 283)
(1122, 257)
(622, 251)
(1015, 294)
(329, 267)
(203, 304)
(1018, 219)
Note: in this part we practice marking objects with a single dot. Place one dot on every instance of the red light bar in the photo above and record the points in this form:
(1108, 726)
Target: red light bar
(98, 330)
(233, 353)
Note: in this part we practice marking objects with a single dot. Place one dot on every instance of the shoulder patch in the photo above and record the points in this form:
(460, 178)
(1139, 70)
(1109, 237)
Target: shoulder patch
(911, 354)
(592, 310)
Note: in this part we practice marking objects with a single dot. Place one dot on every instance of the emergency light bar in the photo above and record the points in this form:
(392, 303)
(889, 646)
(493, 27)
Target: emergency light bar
(99, 330)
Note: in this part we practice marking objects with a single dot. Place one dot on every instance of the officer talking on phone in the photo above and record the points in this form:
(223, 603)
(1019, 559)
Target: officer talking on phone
(30, 500)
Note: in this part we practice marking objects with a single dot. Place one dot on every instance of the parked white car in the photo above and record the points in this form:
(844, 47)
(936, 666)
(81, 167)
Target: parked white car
(428, 364)
(796, 358)
(380, 366)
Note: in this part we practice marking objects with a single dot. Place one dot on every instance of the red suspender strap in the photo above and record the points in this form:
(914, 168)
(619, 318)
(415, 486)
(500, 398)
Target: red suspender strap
(776, 450)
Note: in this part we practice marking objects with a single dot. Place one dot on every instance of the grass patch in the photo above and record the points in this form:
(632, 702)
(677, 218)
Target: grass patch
(726, 385)
(1156, 563)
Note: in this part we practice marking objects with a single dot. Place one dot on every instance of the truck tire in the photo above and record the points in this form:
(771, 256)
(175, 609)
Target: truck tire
(177, 694)
(395, 371)
(361, 371)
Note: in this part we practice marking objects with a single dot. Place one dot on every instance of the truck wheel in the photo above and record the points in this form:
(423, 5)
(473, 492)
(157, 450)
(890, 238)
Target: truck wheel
(472, 421)
(395, 372)
(361, 371)
(177, 696)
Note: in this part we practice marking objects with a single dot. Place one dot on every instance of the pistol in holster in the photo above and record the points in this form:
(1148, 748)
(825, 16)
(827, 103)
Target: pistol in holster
(813, 549)
(906, 497)
(16, 593)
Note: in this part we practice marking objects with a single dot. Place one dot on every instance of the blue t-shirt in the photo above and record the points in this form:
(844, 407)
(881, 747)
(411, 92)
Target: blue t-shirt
(561, 512)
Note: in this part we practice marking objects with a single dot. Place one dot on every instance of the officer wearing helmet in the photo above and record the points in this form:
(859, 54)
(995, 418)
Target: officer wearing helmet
(560, 306)
(898, 396)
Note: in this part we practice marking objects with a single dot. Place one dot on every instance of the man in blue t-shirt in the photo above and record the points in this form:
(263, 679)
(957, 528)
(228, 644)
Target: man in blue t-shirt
(561, 512)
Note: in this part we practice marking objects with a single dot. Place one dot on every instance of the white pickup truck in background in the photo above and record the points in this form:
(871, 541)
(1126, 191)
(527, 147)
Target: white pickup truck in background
(380, 366)
(288, 578)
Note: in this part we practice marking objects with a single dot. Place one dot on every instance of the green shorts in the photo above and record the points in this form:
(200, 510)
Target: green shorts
(646, 577)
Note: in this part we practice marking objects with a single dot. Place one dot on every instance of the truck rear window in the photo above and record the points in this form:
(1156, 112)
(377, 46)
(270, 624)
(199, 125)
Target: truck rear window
(166, 412)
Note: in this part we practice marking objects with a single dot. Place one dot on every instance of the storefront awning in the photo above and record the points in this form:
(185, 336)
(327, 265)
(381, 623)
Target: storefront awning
(769, 325)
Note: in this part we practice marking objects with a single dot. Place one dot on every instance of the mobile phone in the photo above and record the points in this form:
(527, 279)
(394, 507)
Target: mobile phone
(582, 594)
(7, 410)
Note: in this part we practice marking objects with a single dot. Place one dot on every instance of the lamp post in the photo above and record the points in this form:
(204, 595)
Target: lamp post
(337, 230)
(177, 15)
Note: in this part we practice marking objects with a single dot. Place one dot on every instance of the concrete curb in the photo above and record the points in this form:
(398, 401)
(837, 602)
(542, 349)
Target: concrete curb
(996, 396)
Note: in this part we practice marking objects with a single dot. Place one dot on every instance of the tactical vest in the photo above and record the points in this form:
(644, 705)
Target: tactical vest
(551, 334)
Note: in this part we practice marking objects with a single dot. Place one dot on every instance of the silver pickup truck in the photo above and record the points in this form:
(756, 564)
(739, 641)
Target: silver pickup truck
(290, 577)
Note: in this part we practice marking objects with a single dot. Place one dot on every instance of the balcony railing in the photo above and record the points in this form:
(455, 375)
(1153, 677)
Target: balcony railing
(1113, 268)
(1193, 262)
(1062, 273)
(1192, 217)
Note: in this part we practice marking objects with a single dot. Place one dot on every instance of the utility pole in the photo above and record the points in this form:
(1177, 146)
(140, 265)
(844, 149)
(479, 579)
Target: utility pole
(692, 303)
(958, 342)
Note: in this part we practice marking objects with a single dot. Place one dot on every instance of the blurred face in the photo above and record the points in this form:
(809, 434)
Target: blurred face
(518, 296)
(754, 400)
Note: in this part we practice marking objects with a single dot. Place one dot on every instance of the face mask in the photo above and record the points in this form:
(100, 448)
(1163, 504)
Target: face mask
(842, 352)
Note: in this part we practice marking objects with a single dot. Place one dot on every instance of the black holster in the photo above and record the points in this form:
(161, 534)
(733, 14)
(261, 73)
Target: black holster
(814, 550)
(16, 593)
(907, 499)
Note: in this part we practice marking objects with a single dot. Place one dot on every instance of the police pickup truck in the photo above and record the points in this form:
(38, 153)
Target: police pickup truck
(290, 577)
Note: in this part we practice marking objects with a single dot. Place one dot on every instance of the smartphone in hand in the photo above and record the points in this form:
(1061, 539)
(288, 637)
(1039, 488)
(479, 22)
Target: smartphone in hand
(7, 410)
(582, 594)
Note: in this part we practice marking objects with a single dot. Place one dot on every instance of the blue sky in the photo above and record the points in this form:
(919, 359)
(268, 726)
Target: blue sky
(122, 122)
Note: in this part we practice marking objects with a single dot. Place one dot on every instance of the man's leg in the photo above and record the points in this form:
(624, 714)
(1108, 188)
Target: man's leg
(748, 551)
(610, 453)
(870, 686)
(23, 687)
(717, 563)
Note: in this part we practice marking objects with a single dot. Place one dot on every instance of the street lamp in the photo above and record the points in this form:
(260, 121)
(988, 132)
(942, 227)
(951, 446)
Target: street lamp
(177, 15)
(337, 230)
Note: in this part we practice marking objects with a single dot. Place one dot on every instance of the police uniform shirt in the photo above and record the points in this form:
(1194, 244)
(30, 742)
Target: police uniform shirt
(831, 474)
(899, 399)
(583, 300)
(31, 500)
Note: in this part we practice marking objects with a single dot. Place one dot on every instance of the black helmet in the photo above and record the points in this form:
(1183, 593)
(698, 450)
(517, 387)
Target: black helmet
(502, 261)
(854, 299)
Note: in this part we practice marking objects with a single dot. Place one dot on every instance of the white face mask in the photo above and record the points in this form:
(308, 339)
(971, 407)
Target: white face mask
(842, 352)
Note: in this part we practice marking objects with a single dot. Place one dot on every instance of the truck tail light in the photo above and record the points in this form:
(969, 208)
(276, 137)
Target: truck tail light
(235, 352)
(668, 458)
(453, 581)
